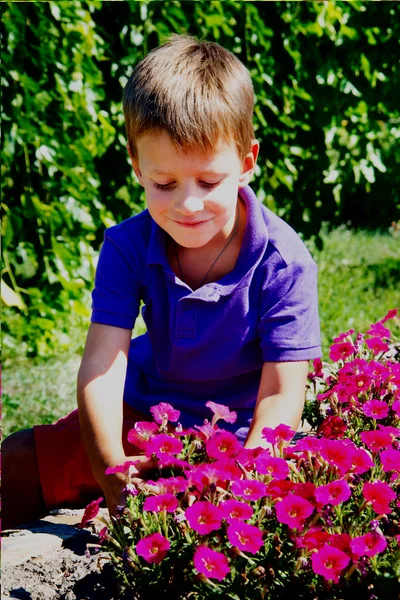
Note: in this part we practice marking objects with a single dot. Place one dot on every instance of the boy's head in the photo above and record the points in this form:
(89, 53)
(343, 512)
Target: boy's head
(197, 92)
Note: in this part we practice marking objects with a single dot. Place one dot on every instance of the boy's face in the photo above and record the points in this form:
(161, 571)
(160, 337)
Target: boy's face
(193, 197)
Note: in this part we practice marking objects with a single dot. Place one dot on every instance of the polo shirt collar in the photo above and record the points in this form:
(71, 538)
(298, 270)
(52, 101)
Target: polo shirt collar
(254, 244)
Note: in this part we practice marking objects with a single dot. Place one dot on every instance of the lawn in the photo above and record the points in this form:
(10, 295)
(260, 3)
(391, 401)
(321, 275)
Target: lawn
(359, 274)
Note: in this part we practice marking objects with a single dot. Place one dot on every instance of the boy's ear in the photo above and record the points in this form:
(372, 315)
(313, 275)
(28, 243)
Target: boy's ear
(135, 165)
(249, 164)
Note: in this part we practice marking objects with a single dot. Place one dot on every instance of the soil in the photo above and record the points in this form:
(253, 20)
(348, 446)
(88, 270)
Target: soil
(73, 571)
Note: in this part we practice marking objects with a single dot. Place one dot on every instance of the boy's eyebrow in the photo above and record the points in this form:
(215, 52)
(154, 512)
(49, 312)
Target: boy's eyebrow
(213, 173)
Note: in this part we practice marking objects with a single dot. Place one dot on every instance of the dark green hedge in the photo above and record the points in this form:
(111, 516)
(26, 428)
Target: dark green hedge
(326, 77)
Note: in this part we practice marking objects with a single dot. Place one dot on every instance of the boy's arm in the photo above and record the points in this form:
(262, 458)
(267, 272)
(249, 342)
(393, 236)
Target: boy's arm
(100, 387)
(280, 399)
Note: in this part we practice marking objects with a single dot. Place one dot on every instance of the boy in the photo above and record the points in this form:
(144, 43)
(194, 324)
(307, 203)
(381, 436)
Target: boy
(229, 290)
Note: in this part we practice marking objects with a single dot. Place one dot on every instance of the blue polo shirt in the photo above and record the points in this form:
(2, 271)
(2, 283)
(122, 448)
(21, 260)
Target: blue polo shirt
(211, 343)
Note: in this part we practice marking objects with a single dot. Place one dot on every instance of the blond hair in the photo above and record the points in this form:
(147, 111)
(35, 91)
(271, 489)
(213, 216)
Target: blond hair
(197, 92)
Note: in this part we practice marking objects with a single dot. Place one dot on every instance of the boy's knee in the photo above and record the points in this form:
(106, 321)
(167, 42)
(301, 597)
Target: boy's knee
(18, 448)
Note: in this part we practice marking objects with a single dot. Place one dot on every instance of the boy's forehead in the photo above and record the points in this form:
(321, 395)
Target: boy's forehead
(161, 154)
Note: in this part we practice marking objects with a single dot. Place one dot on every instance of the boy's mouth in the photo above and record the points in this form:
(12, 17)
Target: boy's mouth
(191, 223)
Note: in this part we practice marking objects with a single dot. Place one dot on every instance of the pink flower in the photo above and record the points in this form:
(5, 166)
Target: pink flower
(153, 548)
(91, 511)
(221, 412)
(376, 345)
(341, 351)
(376, 409)
(275, 467)
(247, 538)
(164, 412)
(233, 510)
(379, 330)
(369, 544)
(222, 444)
(333, 493)
(341, 541)
(207, 430)
(204, 517)
(167, 502)
(305, 490)
(379, 494)
(124, 468)
(317, 364)
(390, 315)
(169, 485)
(343, 336)
(249, 489)
(332, 428)
(313, 539)
(141, 433)
(163, 444)
(281, 433)
(293, 511)
(390, 460)
(396, 407)
(279, 489)
(329, 562)
(360, 461)
(336, 453)
(212, 564)
(376, 440)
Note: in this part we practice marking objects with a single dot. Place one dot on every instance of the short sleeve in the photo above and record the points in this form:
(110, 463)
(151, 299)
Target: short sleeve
(116, 295)
(289, 325)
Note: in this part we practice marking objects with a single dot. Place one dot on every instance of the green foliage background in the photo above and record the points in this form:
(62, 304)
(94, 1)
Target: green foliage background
(326, 78)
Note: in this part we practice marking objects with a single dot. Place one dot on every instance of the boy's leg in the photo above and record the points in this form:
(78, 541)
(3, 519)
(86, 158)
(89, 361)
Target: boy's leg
(22, 498)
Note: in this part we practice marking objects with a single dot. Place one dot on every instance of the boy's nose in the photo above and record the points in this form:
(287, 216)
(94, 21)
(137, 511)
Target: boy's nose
(189, 204)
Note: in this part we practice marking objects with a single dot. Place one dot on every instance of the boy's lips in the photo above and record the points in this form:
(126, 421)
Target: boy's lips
(191, 223)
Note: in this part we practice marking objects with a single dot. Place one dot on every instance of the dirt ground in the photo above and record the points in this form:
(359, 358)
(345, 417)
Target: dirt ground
(59, 565)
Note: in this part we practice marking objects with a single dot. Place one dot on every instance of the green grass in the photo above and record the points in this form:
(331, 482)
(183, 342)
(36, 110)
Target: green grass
(359, 275)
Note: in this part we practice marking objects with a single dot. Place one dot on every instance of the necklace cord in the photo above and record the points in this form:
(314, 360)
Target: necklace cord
(219, 255)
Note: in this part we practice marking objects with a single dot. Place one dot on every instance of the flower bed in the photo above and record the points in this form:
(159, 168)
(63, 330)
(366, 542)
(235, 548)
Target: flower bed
(318, 518)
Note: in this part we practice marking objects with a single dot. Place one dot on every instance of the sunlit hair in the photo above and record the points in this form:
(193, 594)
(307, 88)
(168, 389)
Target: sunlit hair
(197, 92)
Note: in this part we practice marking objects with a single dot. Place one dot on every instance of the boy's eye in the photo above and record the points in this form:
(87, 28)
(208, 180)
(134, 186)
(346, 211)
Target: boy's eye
(168, 186)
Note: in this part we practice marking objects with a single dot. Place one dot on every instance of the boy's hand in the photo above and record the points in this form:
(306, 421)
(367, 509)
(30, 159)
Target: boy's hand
(114, 484)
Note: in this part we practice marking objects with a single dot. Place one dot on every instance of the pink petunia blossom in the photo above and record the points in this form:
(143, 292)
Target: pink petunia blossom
(204, 517)
(329, 562)
(163, 444)
(164, 413)
(91, 511)
(375, 409)
(333, 493)
(141, 433)
(336, 453)
(377, 345)
(275, 467)
(361, 461)
(222, 444)
(317, 372)
(379, 494)
(379, 330)
(247, 538)
(169, 485)
(207, 430)
(341, 541)
(124, 468)
(390, 460)
(281, 433)
(369, 544)
(167, 502)
(305, 490)
(332, 428)
(249, 489)
(396, 407)
(313, 539)
(376, 440)
(153, 548)
(221, 412)
(341, 351)
(279, 489)
(293, 511)
(212, 564)
(234, 510)
(343, 336)
(390, 315)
